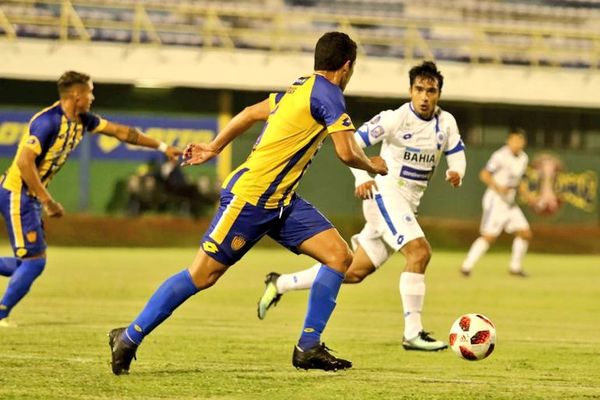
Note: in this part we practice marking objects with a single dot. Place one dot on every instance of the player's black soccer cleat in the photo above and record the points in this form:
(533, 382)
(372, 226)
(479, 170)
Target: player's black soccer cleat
(318, 358)
(423, 342)
(122, 353)
(270, 296)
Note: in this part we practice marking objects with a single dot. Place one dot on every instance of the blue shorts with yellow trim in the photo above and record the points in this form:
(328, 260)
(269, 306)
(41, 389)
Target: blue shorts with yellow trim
(238, 225)
(23, 216)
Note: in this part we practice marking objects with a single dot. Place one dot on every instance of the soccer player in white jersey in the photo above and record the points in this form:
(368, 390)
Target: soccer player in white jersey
(413, 138)
(502, 175)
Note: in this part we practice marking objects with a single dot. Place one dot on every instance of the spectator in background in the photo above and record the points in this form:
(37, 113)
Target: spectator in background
(163, 187)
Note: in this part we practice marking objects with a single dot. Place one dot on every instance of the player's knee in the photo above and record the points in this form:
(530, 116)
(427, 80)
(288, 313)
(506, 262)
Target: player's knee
(205, 276)
(420, 255)
(340, 257)
(354, 277)
(525, 235)
(489, 238)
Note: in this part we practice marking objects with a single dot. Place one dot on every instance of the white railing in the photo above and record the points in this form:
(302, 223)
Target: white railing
(469, 33)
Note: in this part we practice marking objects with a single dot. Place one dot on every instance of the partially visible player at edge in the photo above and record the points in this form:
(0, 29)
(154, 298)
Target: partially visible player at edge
(413, 138)
(258, 199)
(502, 176)
(52, 135)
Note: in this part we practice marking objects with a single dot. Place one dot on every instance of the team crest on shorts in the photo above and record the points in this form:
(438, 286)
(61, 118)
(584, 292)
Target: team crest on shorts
(31, 236)
(237, 243)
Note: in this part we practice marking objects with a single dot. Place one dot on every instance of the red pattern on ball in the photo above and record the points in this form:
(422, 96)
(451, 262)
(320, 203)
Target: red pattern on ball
(480, 337)
(486, 320)
(467, 354)
(465, 323)
(452, 339)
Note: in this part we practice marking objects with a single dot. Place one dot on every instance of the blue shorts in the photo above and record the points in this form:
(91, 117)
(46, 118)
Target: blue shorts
(238, 225)
(23, 216)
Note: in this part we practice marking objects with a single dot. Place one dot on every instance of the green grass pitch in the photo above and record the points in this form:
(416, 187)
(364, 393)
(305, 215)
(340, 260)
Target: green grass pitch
(214, 346)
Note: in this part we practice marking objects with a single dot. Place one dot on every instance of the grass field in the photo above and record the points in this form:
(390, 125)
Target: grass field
(215, 347)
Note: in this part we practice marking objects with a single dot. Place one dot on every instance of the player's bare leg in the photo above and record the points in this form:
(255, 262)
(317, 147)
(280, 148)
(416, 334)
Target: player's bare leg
(519, 249)
(202, 274)
(332, 252)
(479, 247)
(277, 284)
(360, 268)
(412, 292)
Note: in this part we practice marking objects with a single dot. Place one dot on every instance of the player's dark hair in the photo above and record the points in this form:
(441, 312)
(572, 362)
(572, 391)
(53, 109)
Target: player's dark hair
(516, 130)
(70, 78)
(427, 69)
(333, 50)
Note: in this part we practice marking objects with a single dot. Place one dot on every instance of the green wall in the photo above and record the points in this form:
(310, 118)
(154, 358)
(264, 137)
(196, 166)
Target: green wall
(573, 133)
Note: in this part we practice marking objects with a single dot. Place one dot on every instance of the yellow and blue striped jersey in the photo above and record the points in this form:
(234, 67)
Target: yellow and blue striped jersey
(52, 137)
(300, 119)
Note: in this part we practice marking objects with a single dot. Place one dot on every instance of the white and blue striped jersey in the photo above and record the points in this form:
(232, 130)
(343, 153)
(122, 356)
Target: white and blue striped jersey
(507, 170)
(412, 148)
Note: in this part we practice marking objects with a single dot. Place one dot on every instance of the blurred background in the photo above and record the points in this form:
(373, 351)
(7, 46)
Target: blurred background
(180, 69)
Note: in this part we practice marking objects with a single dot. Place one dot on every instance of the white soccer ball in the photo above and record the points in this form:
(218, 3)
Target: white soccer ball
(473, 337)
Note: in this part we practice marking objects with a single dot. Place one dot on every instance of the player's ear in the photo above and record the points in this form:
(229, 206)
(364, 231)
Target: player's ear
(347, 66)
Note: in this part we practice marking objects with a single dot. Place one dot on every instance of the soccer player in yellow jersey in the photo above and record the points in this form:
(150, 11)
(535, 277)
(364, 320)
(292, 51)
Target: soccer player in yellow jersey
(52, 135)
(258, 199)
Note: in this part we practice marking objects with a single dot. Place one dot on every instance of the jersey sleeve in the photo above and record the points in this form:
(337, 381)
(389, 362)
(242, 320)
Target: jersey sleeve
(93, 122)
(41, 131)
(375, 130)
(328, 107)
(274, 99)
(454, 144)
(494, 163)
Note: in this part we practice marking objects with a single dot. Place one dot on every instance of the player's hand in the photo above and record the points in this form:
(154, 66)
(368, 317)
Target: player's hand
(379, 165)
(53, 208)
(365, 191)
(198, 153)
(501, 189)
(454, 178)
(173, 153)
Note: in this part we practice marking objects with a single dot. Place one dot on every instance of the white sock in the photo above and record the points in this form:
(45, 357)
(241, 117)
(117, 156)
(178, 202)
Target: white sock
(519, 248)
(298, 280)
(412, 293)
(478, 248)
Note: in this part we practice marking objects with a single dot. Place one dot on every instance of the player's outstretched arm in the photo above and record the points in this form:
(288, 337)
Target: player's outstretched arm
(29, 173)
(487, 178)
(131, 135)
(199, 153)
(351, 154)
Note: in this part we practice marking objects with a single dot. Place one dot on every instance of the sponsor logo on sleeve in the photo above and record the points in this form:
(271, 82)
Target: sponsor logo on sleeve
(377, 131)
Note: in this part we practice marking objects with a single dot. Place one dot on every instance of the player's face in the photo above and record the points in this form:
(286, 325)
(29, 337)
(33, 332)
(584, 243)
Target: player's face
(347, 72)
(516, 143)
(424, 95)
(83, 96)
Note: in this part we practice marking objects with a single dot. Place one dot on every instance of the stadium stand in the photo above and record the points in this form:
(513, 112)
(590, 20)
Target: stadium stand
(561, 33)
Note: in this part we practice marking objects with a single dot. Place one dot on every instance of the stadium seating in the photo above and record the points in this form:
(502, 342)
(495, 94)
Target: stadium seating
(536, 32)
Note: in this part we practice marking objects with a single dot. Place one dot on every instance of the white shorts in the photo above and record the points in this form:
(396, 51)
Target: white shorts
(498, 216)
(390, 224)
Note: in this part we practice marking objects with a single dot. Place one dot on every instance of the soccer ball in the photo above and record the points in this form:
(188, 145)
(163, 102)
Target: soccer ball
(473, 337)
